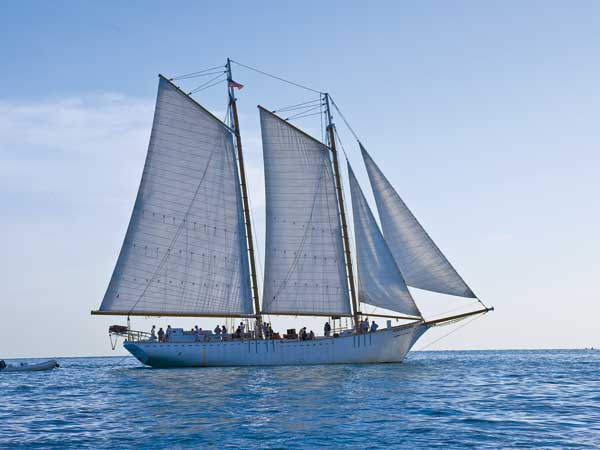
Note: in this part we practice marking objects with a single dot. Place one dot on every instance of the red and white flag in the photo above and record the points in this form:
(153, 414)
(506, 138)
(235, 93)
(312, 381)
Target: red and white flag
(233, 84)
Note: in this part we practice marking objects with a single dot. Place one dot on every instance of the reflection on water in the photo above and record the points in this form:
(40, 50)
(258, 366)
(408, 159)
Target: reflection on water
(438, 399)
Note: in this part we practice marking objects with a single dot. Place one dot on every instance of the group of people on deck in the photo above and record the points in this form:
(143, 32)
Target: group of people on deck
(365, 328)
(162, 336)
(267, 331)
(304, 336)
(219, 331)
(239, 331)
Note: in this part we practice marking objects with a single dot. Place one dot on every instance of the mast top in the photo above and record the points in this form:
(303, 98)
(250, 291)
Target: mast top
(328, 111)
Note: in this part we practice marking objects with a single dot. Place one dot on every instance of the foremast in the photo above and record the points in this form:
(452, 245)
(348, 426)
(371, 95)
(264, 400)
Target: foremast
(247, 217)
(340, 195)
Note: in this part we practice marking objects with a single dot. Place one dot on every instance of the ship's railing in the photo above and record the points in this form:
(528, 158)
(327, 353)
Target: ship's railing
(137, 336)
(190, 336)
(127, 333)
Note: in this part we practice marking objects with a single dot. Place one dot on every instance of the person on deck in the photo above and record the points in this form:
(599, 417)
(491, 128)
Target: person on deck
(365, 326)
(311, 335)
(153, 333)
(218, 330)
(265, 330)
(168, 333)
(270, 331)
(374, 327)
(327, 329)
(161, 335)
(242, 327)
(223, 329)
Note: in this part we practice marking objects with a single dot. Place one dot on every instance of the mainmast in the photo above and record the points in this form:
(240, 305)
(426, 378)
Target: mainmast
(346, 240)
(247, 218)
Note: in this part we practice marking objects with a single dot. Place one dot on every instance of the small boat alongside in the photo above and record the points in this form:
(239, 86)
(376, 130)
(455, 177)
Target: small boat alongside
(28, 367)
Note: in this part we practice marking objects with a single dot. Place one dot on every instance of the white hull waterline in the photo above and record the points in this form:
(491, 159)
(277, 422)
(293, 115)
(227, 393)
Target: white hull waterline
(385, 346)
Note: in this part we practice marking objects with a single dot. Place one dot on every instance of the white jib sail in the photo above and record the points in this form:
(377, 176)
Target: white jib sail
(185, 249)
(380, 282)
(304, 262)
(421, 262)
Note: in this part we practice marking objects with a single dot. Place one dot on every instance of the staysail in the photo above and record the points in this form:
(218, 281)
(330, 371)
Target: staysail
(185, 250)
(421, 262)
(304, 263)
(380, 283)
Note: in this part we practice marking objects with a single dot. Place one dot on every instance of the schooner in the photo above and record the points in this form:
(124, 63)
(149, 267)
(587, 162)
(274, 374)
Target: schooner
(189, 247)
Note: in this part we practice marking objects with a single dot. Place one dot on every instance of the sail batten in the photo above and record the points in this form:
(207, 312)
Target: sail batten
(185, 250)
(304, 262)
(380, 282)
(421, 262)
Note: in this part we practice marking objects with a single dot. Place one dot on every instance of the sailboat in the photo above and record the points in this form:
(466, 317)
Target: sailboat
(189, 249)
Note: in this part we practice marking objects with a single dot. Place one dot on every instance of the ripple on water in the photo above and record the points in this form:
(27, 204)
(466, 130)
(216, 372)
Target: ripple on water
(519, 399)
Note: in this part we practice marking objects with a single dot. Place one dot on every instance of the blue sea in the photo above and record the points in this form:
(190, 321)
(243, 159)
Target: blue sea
(451, 400)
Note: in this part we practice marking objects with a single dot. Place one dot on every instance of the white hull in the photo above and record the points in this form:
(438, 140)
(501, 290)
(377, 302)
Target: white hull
(31, 367)
(384, 346)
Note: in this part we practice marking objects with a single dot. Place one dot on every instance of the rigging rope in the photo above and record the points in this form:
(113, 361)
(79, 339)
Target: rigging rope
(197, 76)
(482, 304)
(302, 114)
(339, 139)
(211, 70)
(344, 119)
(276, 77)
(207, 84)
(435, 316)
(449, 333)
(200, 73)
(226, 120)
(296, 106)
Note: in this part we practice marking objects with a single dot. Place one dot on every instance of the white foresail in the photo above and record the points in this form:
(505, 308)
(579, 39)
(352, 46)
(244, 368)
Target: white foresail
(380, 283)
(185, 249)
(421, 262)
(305, 267)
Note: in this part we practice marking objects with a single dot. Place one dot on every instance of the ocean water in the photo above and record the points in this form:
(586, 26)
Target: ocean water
(450, 400)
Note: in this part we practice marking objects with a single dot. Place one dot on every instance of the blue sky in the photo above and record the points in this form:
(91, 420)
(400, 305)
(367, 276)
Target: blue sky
(483, 115)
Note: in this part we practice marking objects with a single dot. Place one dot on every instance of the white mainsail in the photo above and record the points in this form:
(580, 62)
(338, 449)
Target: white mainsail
(380, 283)
(185, 250)
(421, 262)
(304, 262)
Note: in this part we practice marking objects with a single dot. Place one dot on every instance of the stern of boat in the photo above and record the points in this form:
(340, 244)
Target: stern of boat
(136, 350)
